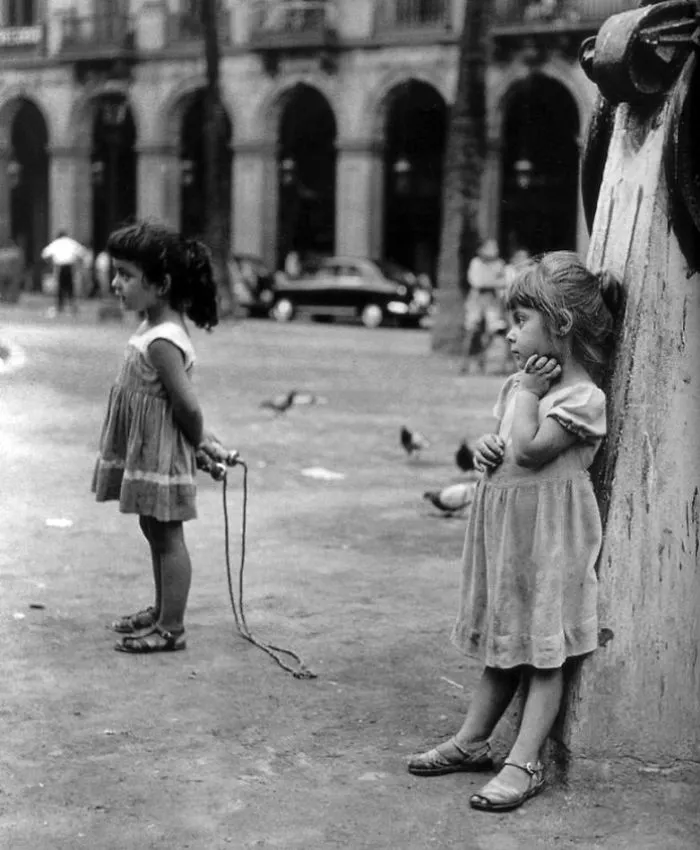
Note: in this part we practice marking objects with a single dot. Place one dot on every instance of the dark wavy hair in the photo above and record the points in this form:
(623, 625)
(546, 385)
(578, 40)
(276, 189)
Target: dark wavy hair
(560, 287)
(161, 251)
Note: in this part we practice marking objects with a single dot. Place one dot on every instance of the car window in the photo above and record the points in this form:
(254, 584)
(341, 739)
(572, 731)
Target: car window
(349, 270)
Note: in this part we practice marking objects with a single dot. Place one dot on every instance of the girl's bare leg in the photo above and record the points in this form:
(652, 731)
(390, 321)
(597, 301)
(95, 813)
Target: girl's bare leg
(541, 707)
(493, 695)
(145, 524)
(175, 573)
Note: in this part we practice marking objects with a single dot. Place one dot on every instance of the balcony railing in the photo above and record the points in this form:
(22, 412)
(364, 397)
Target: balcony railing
(418, 16)
(292, 23)
(186, 29)
(21, 40)
(546, 14)
(96, 35)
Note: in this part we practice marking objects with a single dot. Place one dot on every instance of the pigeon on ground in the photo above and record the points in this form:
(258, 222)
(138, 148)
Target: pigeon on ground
(413, 441)
(464, 457)
(294, 398)
(453, 498)
(280, 403)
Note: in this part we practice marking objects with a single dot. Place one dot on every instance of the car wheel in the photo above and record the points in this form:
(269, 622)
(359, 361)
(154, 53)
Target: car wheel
(283, 311)
(372, 315)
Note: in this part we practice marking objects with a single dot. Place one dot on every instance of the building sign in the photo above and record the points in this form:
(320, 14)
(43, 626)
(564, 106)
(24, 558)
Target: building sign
(20, 36)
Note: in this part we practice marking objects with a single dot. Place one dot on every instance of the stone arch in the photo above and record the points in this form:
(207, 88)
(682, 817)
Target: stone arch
(379, 99)
(82, 112)
(10, 101)
(266, 121)
(560, 72)
(176, 103)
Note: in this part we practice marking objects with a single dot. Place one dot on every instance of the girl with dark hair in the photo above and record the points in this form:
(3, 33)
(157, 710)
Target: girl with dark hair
(154, 424)
(529, 585)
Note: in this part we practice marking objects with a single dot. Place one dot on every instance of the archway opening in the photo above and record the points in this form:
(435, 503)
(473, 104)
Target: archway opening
(193, 200)
(306, 160)
(28, 178)
(113, 167)
(540, 163)
(415, 140)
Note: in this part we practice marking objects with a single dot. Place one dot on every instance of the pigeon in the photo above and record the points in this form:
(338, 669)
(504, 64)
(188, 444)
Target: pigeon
(294, 398)
(280, 403)
(453, 497)
(413, 441)
(464, 457)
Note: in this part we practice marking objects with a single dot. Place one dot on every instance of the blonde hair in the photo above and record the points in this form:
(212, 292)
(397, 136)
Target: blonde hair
(560, 287)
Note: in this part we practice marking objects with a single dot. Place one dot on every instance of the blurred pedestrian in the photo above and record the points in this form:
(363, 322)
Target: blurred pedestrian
(154, 427)
(519, 256)
(529, 586)
(103, 268)
(66, 256)
(484, 314)
(292, 265)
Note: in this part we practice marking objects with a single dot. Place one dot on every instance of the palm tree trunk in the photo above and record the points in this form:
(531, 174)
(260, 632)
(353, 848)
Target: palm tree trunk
(464, 160)
(214, 183)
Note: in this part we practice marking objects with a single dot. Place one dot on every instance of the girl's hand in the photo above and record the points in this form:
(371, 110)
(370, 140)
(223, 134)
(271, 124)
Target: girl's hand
(538, 374)
(488, 452)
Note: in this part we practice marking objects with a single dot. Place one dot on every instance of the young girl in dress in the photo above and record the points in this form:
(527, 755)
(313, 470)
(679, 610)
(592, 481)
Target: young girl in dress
(528, 595)
(153, 424)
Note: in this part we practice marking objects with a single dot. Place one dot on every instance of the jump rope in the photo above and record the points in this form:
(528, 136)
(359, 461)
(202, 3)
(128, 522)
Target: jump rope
(219, 472)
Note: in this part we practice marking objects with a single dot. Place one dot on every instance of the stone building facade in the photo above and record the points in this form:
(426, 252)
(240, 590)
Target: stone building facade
(337, 116)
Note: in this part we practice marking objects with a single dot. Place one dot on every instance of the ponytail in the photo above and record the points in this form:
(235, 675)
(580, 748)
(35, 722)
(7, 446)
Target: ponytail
(201, 305)
(611, 292)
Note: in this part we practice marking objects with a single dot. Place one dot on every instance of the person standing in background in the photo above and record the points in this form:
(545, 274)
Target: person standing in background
(67, 256)
(483, 306)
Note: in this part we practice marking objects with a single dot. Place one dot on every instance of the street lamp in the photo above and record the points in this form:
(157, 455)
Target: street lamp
(288, 169)
(187, 172)
(523, 168)
(14, 173)
(402, 169)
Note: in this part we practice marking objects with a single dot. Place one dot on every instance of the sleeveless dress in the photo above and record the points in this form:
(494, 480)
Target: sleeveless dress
(145, 461)
(529, 585)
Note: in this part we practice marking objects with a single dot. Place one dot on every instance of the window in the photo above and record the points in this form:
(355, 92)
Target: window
(20, 13)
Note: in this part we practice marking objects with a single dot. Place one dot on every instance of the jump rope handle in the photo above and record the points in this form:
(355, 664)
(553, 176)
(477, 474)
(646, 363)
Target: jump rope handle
(217, 468)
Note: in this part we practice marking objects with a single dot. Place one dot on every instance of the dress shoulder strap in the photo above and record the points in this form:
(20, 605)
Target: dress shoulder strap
(173, 332)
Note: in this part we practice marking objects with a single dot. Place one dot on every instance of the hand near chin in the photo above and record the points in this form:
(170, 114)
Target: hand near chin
(539, 373)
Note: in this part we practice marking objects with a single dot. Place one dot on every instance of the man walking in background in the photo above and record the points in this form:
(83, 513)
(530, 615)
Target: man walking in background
(65, 254)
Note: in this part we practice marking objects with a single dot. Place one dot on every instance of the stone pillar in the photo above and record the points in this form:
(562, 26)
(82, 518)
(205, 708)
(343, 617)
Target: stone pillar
(490, 208)
(158, 183)
(5, 189)
(70, 193)
(254, 193)
(151, 24)
(359, 198)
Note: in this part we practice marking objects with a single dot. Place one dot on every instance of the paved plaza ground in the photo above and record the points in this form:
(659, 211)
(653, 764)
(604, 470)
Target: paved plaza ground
(217, 747)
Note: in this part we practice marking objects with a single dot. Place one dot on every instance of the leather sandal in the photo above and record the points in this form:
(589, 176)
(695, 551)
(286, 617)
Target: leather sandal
(498, 796)
(144, 619)
(157, 640)
(436, 763)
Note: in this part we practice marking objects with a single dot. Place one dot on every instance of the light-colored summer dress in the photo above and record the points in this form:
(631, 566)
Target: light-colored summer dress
(145, 461)
(529, 586)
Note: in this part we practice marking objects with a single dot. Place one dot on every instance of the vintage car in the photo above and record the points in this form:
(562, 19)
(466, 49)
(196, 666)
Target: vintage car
(353, 287)
(253, 284)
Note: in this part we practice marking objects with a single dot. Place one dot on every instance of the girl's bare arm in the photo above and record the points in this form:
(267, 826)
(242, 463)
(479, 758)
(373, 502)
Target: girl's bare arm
(167, 360)
(535, 444)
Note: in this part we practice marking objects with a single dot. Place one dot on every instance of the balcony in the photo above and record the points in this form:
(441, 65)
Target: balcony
(21, 41)
(292, 24)
(188, 29)
(108, 37)
(518, 17)
(421, 19)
